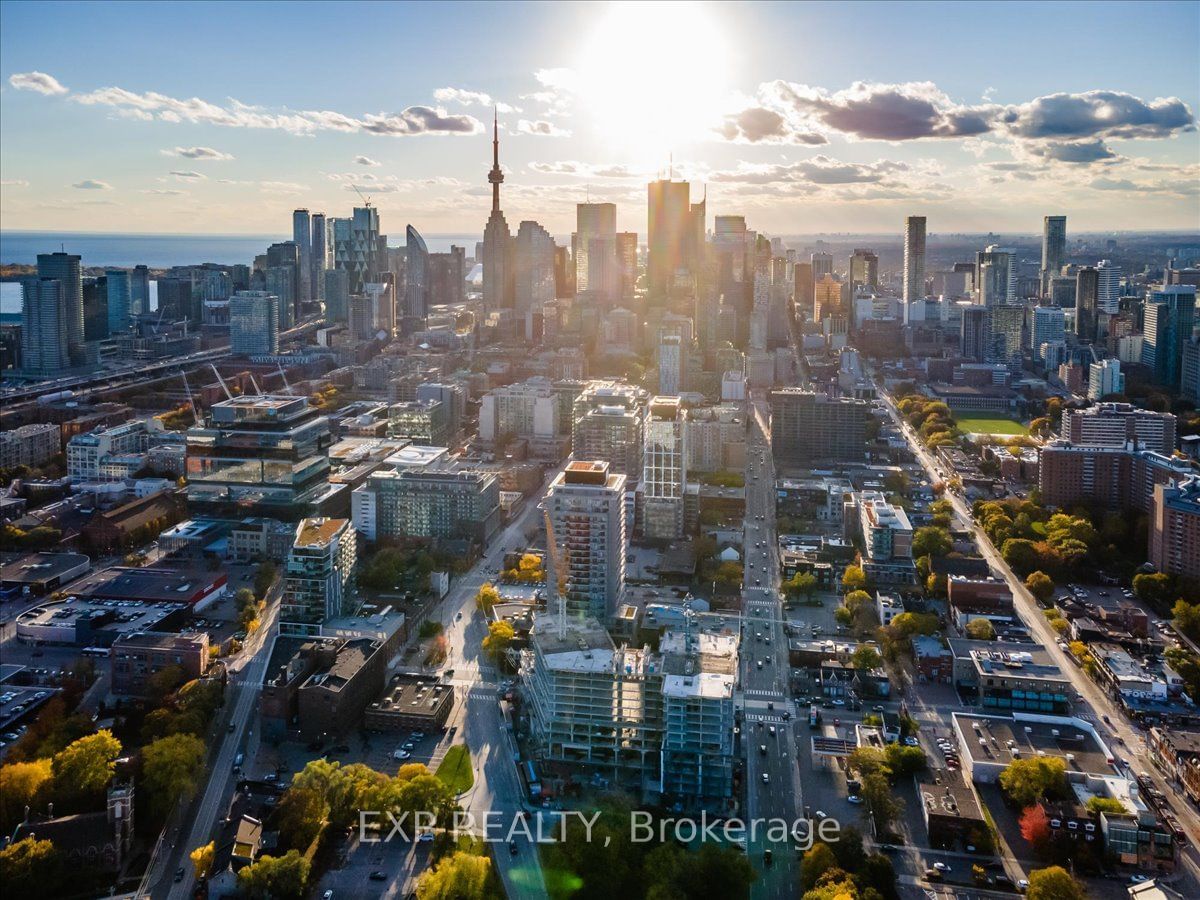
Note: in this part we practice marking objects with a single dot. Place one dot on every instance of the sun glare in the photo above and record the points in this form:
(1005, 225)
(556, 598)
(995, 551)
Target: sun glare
(653, 76)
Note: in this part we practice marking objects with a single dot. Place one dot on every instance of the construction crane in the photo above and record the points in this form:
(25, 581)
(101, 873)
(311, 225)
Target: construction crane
(228, 396)
(257, 389)
(287, 388)
(556, 583)
(192, 403)
(366, 200)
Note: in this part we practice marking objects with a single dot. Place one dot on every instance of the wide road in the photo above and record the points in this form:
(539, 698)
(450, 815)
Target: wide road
(246, 674)
(479, 717)
(1123, 740)
(772, 782)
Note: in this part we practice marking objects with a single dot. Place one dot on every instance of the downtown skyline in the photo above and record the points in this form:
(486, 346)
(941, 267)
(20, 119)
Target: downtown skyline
(595, 100)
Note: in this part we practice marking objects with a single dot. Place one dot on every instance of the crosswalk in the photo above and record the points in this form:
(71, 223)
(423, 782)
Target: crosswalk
(755, 692)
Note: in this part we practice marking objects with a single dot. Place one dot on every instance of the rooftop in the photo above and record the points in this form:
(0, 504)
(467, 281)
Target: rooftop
(946, 793)
(993, 739)
(990, 658)
(351, 657)
(703, 685)
(162, 640)
(318, 532)
(413, 695)
(41, 568)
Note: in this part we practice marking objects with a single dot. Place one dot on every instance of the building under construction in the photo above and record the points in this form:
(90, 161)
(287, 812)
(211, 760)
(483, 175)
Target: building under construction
(656, 723)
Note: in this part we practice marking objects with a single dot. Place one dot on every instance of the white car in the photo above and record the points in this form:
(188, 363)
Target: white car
(855, 799)
(941, 867)
(401, 754)
(766, 778)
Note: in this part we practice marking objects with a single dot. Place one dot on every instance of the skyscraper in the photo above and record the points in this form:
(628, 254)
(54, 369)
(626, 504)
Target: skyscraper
(668, 222)
(337, 295)
(1054, 247)
(448, 277)
(1087, 283)
(1108, 287)
(864, 269)
(499, 280)
(318, 582)
(117, 281)
(318, 256)
(1169, 319)
(416, 274)
(822, 265)
(359, 248)
(44, 347)
(283, 264)
(302, 238)
(975, 332)
(596, 269)
(1003, 286)
(914, 263)
(139, 291)
(65, 267)
(253, 323)
(533, 265)
(803, 293)
(627, 263)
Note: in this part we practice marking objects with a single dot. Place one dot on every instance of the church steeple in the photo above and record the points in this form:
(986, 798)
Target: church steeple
(496, 176)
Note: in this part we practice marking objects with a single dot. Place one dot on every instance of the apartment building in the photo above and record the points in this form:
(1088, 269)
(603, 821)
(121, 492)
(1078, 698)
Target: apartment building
(1116, 424)
(29, 445)
(607, 424)
(318, 577)
(664, 469)
(586, 508)
(1119, 478)
(1175, 528)
(139, 656)
(806, 426)
(419, 503)
(89, 456)
(886, 538)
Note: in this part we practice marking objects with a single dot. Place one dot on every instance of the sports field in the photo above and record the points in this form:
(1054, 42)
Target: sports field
(988, 425)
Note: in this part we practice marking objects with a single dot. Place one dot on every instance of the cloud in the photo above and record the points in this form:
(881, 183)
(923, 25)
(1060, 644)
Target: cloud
(14, 182)
(165, 192)
(757, 124)
(414, 120)
(366, 161)
(89, 184)
(37, 81)
(1072, 151)
(1114, 184)
(197, 153)
(374, 187)
(472, 98)
(542, 128)
(883, 112)
(1098, 114)
(421, 120)
(584, 170)
(282, 187)
(820, 170)
(192, 176)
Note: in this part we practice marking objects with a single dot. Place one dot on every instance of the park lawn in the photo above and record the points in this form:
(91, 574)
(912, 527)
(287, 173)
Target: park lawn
(455, 769)
(988, 425)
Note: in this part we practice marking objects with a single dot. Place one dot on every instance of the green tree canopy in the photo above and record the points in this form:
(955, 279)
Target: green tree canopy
(981, 630)
(1040, 585)
(931, 541)
(31, 868)
(275, 878)
(85, 767)
(1026, 781)
(459, 876)
(1054, 883)
(171, 770)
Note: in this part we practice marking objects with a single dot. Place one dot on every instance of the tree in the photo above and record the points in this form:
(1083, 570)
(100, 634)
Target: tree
(1026, 781)
(300, 815)
(931, 541)
(802, 584)
(981, 630)
(1021, 553)
(499, 637)
(264, 577)
(902, 761)
(1153, 588)
(487, 597)
(84, 768)
(165, 681)
(242, 598)
(1054, 883)
(1040, 585)
(202, 859)
(866, 658)
(22, 784)
(854, 579)
(277, 878)
(459, 876)
(818, 860)
(1035, 824)
(885, 806)
(1186, 617)
(171, 769)
(711, 871)
(30, 868)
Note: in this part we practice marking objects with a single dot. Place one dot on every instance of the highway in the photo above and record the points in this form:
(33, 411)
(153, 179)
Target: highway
(772, 779)
(1109, 720)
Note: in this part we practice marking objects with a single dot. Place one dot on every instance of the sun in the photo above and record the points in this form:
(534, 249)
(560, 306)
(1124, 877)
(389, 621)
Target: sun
(653, 76)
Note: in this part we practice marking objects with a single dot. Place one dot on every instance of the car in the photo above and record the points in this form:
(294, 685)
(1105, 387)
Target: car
(1022, 884)
(762, 749)
(328, 895)
(11, 736)
(787, 715)
(1138, 879)
(941, 867)
(771, 729)
(877, 708)
(401, 754)
(855, 799)
(766, 779)
(378, 876)
(839, 702)
(179, 873)
(770, 704)
(426, 837)
(232, 728)
(767, 856)
(911, 742)
(270, 776)
(418, 735)
(408, 745)
(512, 848)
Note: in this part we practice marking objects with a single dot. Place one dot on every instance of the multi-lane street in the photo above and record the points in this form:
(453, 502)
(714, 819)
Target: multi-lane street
(772, 783)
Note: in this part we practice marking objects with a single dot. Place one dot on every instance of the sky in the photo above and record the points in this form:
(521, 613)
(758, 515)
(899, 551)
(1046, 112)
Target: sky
(804, 117)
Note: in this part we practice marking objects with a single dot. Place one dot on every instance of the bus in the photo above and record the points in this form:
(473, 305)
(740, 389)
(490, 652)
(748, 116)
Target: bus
(814, 716)
(98, 652)
(531, 779)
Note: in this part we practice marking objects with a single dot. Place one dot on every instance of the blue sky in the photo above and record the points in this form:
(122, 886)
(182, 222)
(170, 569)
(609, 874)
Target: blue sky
(805, 117)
